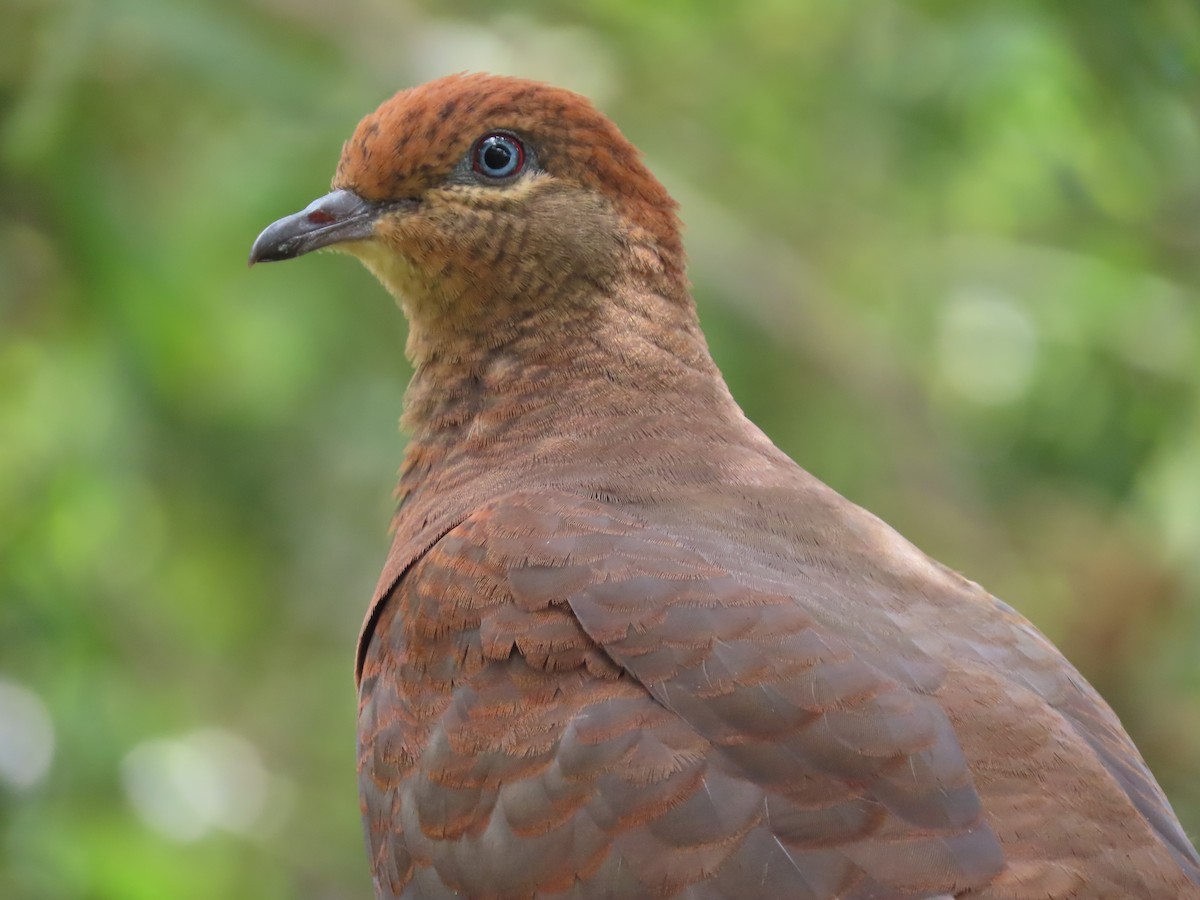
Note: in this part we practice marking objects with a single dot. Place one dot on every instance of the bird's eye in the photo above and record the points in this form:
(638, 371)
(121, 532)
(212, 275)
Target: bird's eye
(498, 156)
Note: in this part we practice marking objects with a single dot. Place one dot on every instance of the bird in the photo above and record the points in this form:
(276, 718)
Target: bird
(622, 646)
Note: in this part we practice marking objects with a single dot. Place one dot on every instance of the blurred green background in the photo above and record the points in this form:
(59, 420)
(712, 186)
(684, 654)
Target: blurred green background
(946, 254)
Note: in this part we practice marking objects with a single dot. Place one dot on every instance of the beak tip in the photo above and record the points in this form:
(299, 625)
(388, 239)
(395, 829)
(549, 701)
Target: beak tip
(269, 246)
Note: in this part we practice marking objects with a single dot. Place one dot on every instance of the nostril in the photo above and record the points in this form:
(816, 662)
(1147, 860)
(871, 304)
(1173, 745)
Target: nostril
(320, 217)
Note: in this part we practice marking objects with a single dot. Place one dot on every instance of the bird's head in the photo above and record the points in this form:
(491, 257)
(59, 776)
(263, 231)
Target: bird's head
(477, 190)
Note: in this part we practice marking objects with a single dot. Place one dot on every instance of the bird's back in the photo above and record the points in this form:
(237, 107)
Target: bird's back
(1062, 786)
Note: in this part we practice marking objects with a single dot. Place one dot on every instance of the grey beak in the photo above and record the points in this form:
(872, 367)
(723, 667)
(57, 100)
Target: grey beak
(338, 216)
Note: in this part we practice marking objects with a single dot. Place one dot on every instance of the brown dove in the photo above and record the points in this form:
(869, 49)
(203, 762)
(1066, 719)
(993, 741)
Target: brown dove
(623, 646)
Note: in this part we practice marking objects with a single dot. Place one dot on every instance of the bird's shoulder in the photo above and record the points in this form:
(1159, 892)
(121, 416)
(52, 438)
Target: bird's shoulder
(816, 651)
(846, 757)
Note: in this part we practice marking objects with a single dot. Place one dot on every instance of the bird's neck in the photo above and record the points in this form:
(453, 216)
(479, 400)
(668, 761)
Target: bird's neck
(556, 391)
(629, 357)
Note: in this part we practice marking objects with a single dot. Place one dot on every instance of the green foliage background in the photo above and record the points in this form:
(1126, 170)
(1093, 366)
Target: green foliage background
(946, 254)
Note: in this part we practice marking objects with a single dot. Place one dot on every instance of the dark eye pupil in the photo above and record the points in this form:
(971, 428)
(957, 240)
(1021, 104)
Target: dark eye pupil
(499, 156)
(496, 156)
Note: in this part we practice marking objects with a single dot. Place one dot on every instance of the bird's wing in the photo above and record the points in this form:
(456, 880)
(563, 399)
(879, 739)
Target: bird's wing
(853, 763)
(803, 768)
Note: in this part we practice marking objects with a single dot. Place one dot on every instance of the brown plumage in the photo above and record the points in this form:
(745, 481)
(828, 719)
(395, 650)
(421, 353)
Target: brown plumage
(622, 646)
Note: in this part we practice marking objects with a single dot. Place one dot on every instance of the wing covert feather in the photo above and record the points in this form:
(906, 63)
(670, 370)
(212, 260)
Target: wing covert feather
(561, 699)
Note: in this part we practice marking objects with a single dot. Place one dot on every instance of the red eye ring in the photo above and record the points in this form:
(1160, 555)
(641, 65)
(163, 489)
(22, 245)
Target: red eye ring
(498, 156)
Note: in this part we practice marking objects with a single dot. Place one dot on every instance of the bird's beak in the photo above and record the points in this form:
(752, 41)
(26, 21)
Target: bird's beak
(337, 217)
